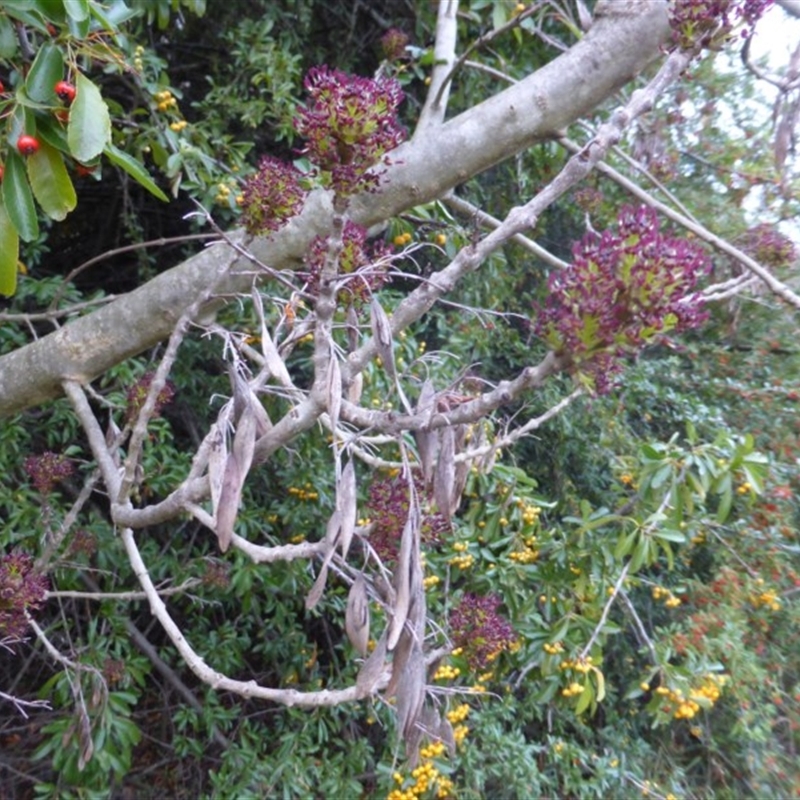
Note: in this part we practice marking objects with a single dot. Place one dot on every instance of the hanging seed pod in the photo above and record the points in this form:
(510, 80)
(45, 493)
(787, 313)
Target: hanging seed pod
(356, 620)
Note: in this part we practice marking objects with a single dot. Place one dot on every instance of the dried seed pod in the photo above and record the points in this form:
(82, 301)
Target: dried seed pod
(444, 479)
(382, 332)
(356, 620)
(347, 501)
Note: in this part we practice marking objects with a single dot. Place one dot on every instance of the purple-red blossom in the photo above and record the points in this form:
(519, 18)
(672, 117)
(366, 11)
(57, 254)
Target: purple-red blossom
(623, 288)
(47, 469)
(271, 196)
(21, 590)
(394, 43)
(768, 246)
(388, 506)
(477, 628)
(367, 266)
(349, 125)
(709, 22)
(137, 395)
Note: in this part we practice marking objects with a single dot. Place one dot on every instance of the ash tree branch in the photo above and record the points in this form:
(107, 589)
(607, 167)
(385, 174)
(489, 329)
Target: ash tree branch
(615, 50)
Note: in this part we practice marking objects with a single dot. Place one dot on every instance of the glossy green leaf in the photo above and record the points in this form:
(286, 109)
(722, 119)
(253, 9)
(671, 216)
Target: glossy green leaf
(51, 183)
(9, 253)
(89, 129)
(47, 70)
(135, 169)
(77, 9)
(18, 197)
(8, 39)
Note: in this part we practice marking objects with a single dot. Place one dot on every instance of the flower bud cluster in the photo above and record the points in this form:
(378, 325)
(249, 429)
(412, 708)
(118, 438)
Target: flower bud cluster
(137, 395)
(271, 196)
(47, 469)
(354, 257)
(21, 590)
(768, 246)
(624, 288)
(709, 23)
(350, 124)
(476, 627)
(387, 508)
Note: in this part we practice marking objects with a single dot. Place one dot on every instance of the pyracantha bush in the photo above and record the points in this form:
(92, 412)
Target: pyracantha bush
(768, 246)
(387, 506)
(349, 125)
(271, 196)
(137, 395)
(623, 288)
(479, 630)
(47, 469)
(21, 590)
(367, 266)
(709, 22)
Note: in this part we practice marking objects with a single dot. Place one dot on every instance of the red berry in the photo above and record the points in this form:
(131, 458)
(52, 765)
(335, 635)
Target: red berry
(2, 87)
(65, 91)
(27, 145)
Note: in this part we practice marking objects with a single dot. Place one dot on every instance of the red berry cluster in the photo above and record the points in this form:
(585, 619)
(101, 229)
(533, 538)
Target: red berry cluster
(21, 590)
(367, 267)
(477, 628)
(623, 288)
(350, 125)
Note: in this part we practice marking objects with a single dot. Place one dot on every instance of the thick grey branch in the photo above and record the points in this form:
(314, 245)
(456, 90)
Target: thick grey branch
(614, 51)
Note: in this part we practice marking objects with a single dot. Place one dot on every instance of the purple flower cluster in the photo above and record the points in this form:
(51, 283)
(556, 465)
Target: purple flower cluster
(623, 288)
(768, 246)
(709, 22)
(137, 395)
(355, 257)
(47, 469)
(387, 507)
(271, 196)
(350, 125)
(476, 627)
(21, 590)
(394, 43)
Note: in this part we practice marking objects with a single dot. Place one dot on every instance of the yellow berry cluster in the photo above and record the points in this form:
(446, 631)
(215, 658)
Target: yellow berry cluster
(530, 513)
(744, 488)
(425, 776)
(305, 493)
(224, 192)
(582, 665)
(458, 714)
(138, 64)
(626, 478)
(573, 689)
(687, 706)
(767, 599)
(431, 581)
(464, 560)
(402, 239)
(165, 101)
(553, 649)
(527, 554)
(178, 125)
(446, 673)
(440, 239)
(670, 601)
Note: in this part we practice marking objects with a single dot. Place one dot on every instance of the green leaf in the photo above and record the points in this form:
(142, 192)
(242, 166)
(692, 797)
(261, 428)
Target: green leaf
(89, 129)
(46, 71)
(725, 503)
(18, 198)
(135, 169)
(77, 9)
(587, 695)
(8, 39)
(51, 183)
(9, 253)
